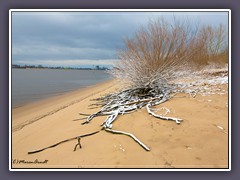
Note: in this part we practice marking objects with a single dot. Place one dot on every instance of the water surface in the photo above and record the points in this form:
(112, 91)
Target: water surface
(29, 85)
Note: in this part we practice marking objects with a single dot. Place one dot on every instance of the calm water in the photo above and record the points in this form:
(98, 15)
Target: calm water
(29, 85)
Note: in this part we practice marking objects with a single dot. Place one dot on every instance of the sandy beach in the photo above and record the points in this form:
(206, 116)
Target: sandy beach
(200, 141)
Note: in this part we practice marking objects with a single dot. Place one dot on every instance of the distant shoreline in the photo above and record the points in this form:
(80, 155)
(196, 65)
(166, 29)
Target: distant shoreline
(60, 68)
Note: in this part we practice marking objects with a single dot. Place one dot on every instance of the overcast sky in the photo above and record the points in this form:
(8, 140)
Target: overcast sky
(84, 39)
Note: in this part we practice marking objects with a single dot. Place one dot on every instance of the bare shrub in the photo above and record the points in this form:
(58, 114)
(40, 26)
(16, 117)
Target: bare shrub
(215, 41)
(156, 54)
(223, 56)
(163, 51)
(211, 46)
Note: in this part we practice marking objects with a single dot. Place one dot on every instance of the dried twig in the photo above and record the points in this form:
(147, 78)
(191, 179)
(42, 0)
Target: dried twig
(79, 119)
(78, 144)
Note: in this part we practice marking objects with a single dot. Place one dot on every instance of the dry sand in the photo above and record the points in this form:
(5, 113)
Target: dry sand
(201, 141)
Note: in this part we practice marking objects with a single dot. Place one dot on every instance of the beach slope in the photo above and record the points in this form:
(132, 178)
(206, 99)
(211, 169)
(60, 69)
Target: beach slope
(201, 141)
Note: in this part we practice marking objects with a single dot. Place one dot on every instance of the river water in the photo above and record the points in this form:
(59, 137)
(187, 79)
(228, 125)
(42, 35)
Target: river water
(29, 85)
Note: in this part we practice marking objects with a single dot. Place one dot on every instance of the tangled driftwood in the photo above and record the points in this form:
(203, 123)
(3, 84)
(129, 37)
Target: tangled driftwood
(126, 101)
(129, 100)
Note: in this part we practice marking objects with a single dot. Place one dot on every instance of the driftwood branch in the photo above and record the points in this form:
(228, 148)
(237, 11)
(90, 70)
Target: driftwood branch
(177, 120)
(131, 135)
(70, 139)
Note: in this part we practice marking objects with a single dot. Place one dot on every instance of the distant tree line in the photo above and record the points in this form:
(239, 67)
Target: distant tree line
(16, 66)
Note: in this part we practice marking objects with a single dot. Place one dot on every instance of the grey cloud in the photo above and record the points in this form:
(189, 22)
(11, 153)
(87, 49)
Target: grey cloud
(96, 37)
(80, 35)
